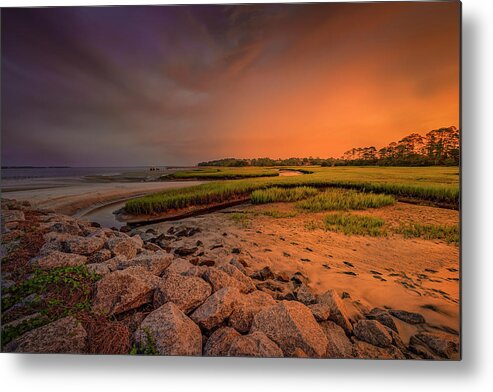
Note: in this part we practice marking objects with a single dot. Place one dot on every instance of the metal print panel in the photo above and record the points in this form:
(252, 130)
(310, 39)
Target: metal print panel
(269, 180)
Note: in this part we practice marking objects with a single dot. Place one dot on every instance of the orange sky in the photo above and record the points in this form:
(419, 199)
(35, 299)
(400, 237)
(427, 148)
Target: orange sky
(179, 85)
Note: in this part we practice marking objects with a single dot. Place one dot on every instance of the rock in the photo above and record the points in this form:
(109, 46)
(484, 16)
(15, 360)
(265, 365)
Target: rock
(65, 336)
(184, 251)
(152, 247)
(184, 267)
(305, 295)
(83, 245)
(371, 331)
(186, 292)
(264, 274)
(98, 268)
(236, 251)
(155, 264)
(123, 290)
(12, 216)
(408, 317)
(186, 231)
(321, 312)
(338, 312)
(383, 317)
(220, 341)
(235, 273)
(219, 279)
(234, 261)
(278, 290)
(256, 344)
(282, 277)
(67, 227)
(367, 351)
(339, 346)
(442, 344)
(298, 278)
(58, 259)
(123, 247)
(248, 306)
(170, 331)
(100, 256)
(138, 241)
(216, 308)
(291, 325)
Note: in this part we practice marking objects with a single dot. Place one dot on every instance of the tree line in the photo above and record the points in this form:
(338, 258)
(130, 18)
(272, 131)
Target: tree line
(439, 147)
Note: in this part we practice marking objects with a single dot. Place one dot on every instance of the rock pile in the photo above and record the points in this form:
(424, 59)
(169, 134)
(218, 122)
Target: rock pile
(182, 303)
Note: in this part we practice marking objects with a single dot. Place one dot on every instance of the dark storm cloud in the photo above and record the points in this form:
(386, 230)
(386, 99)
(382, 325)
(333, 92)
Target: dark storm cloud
(176, 85)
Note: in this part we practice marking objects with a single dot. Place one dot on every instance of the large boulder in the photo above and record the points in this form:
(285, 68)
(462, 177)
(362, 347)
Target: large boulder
(156, 264)
(339, 346)
(169, 332)
(291, 326)
(65, 336)
(220, 341)
(217, 308)
(83, 245)
(256, 344)
(58, 259)
(443, 344)
(186, 292)
(122, 246)
(338, 312)
(184, 267)
(219, 279)
(123, 290)
(235, 273)
(408, 317)
(383, 317)
(321, 312)
(249, 305)
(371, 331)
(100, 256)
(305, 295)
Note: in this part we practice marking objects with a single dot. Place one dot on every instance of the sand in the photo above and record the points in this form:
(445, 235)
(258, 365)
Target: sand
(411, 274)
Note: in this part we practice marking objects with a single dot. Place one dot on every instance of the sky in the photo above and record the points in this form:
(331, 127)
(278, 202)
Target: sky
(177, 85)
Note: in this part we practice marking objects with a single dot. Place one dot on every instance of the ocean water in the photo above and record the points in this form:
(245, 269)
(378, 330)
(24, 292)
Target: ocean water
(14, 173)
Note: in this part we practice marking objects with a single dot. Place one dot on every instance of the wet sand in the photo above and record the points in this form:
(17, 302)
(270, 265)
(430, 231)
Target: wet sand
(75, 197)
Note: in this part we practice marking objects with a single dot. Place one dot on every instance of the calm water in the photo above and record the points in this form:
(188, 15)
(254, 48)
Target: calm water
(57, 172)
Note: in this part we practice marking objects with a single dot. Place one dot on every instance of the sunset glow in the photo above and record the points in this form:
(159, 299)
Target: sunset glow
(180, 85)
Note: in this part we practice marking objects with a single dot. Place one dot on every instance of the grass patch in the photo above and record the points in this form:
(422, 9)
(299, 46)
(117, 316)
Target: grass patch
(339, 199)
(355, 224)
(275, 194)
(448, 233)
(147, 348)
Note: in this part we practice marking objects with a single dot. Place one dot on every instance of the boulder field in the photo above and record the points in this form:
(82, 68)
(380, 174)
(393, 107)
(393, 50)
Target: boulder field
(171, 300)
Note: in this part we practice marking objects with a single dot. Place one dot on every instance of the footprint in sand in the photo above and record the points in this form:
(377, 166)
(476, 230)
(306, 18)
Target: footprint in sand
(349, 273)
(432, 271)
(375, 272)
(306, 260)
(326, 266)
(348, 264)
(379, 278)
(452, 269)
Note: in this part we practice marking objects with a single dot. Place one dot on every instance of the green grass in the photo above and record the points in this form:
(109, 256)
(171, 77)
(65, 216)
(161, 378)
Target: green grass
(355, 224)
(342, 199)
(241, 218)
(275, 194)
(223, 173)
(432, 184)
(448, 233)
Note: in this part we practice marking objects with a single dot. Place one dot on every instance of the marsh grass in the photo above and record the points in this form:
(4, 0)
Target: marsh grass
(433, 184)
(355, 224)
(275, 194)
(223, 173)
(242, 219)
(447, 233)
(339, 199)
